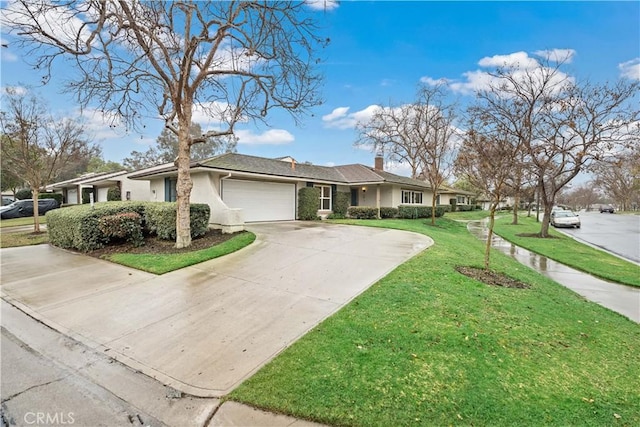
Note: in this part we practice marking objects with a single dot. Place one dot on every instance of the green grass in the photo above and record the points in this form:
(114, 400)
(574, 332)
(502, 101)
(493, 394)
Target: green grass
(428, 346)
(467, 216)
(27, 238)
(164, 263)
(15, 222)
(568, 251)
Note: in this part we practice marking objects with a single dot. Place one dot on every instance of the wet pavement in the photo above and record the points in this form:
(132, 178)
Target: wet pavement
(619, 298)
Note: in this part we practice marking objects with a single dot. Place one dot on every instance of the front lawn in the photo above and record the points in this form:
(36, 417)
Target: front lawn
(160, 263)
(15, 222)
(23, 238)
(427, 345)
(566, 250)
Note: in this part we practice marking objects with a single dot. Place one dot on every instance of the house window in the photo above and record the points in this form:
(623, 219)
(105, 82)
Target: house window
(170, 194)
(461, 200)
(325, 197)
(411, 197)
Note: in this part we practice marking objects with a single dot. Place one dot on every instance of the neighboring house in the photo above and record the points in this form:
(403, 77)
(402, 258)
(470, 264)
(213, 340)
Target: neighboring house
(485, 202)
(241, 188)
(461, 197)
(99, 184)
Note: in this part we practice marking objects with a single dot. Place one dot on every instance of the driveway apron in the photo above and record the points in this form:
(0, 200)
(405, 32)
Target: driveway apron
(206, 328)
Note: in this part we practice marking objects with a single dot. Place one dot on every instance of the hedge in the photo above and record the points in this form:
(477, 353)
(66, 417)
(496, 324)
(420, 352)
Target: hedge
(419, 211)
(127, 226)
(78, 226)
(308, 203)
(23, 193)
(465, 208)
(341, 203)
(113, 194)
(362, 212)
(388, 212)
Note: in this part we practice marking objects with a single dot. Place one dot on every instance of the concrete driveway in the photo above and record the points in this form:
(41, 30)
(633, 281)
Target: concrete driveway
(206, 328)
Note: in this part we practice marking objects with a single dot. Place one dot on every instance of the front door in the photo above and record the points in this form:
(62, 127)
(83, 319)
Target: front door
(354, 197)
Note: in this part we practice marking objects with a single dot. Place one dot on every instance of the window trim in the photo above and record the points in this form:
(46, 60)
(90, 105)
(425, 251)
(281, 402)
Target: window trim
(412, 196)
(323, 198)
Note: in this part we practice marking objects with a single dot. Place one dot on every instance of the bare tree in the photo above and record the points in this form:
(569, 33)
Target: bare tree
(581, 127)
(37, 147)
(562, 125)
(235, 60)
(485, 161)
(619, 176)
(421, 134)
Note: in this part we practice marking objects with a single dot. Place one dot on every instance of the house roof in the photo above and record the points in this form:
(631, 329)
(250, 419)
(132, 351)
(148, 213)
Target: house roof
(89, 179)
(345, 174)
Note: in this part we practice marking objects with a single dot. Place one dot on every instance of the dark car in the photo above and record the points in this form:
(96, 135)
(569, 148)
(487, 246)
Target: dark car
(606, 208)
(23, 208)
(7, 200)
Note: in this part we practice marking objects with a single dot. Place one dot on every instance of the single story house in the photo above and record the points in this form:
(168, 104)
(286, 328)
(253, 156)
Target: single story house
(241, 188)
(99, 184)
(461, 197)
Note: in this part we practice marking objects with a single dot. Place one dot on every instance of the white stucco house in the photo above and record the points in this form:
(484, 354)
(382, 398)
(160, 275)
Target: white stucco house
(241, 188)
(99, 184)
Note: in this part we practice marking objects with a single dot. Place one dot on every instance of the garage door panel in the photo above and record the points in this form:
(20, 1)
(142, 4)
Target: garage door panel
(260, 200)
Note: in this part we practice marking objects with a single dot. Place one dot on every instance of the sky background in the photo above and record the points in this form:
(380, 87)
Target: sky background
(378, 55)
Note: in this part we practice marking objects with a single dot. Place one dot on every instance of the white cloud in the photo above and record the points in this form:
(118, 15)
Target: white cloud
(630, 69)
(16, 90)
(434, 82)
(340, 119)
(518, 59)
(387, 82)
(557, 55)
(101, 125)
(5, 54)
(269, 137)
(322, 4)
(521, 66)
(209, 114)
(398, 168)
(336, 114)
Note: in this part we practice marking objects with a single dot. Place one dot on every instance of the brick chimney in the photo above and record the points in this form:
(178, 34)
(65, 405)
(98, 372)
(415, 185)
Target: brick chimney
(379, 163)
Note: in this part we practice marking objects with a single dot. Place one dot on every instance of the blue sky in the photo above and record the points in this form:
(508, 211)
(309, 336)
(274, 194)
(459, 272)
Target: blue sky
(381, 51)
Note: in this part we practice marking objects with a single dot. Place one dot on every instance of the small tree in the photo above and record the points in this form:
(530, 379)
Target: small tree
(36, 146)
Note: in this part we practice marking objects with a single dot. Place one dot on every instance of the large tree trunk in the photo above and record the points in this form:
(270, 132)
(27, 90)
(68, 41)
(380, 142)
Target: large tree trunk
(36, 212)
(184, 185)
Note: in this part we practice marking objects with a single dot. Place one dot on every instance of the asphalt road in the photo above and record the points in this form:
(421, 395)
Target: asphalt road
(619, 234)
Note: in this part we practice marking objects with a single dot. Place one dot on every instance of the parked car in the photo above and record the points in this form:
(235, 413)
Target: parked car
(24, 208)
(565, 219)
(606, 208)
(7, 200)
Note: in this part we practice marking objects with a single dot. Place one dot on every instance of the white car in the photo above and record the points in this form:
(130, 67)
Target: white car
(565, 219)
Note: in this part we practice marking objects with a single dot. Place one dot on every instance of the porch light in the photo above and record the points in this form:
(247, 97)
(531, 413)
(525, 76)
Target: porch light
(364, 189)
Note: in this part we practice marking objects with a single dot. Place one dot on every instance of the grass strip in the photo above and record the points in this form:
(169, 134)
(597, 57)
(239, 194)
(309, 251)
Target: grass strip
(24, 238)
(568, 251)
(428, 346)
(164, 263)
(16, 222)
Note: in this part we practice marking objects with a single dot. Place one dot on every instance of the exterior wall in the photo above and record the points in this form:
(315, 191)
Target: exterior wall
(156, 186)
(139, 190)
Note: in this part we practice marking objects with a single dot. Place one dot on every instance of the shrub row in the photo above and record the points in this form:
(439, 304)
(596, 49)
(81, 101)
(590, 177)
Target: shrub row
(410, 211)
(56, 196)
(308, 203)
(125, 226)
(79, 227)
(362, 212)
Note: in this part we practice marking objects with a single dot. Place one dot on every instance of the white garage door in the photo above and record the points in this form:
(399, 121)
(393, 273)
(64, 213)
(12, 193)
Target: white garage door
(261, 201)
(102, 194)
(72, 196)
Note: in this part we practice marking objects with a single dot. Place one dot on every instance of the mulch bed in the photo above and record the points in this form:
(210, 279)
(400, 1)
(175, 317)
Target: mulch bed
(536, 235)
(153, 245)
(491, 277)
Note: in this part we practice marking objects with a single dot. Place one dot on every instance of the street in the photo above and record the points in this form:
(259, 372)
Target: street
(619, 234)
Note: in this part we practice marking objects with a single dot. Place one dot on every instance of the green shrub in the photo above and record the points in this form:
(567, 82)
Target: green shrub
(77, 227)
(23, 193)
(127, 226)
(445, 208)
(308, 203)
(335, 216)
(160, 219)
(86, 198)
(465, 208)
(412, 211)
(362, 212)
(113, 194)
(453, 203)
(341, 203)
(388, 212)
(56, 196)
(478, 207)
